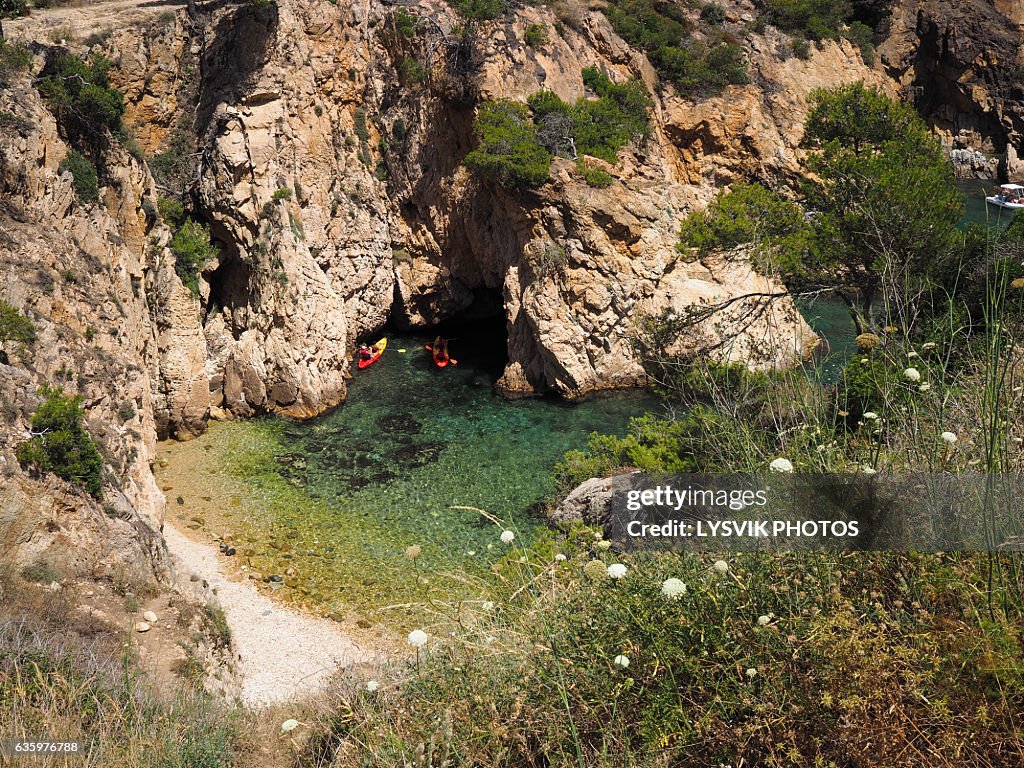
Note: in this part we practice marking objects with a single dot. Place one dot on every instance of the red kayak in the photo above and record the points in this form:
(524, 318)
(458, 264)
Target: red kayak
(378, 350)
(440, 359)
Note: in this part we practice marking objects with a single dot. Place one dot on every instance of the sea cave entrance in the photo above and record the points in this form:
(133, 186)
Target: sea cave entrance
(477, 335)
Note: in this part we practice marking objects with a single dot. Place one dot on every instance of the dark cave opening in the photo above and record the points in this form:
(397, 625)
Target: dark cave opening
(477, 335)
(229, 290)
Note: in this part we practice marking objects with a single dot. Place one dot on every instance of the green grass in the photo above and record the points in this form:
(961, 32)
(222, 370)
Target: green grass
(753, 666)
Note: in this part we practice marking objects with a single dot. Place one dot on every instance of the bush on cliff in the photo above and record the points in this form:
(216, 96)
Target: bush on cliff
(14, 326)
(599, 127)
(83, 174)
(79, 94)
(508, 151)
(60, 443)
(663, 32)
(192, 249)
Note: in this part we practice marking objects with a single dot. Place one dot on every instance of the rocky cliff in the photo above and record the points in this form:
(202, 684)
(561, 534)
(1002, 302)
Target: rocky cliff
(959, 62)
(333, 182)
(87, 276)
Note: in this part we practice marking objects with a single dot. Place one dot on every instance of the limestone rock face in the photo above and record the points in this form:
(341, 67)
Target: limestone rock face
(81, 273)
(334, 186)
(957, 62)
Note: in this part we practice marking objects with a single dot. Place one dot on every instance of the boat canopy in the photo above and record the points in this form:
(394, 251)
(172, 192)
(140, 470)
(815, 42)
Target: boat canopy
(1011, 187)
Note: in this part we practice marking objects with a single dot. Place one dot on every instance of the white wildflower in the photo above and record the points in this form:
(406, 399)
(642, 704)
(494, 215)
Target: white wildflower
(616, 570)
(673, 589)
(948, 437)
(721, 566)
(912, 354)
(289, 725)
(417, 638)
(751, 672)
(924, 387)
(487, 605)
(870, 416)
(621, 661)
(372, 685)
(867, 469)
(928, 345)
(603, 544)
(781, 465)
(762, 621)
(507, 537)
(912, 374)
(559, 558)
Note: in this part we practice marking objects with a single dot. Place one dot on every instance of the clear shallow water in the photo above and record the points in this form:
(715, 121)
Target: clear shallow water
(830, 318)
(337, 500)
(976, 211)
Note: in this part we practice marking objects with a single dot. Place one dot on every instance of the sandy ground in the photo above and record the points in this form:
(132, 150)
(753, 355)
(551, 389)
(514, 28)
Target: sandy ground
(283, 655)
(79, 20)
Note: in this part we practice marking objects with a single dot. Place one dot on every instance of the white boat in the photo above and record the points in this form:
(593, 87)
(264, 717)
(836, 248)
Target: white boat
(1009, 196)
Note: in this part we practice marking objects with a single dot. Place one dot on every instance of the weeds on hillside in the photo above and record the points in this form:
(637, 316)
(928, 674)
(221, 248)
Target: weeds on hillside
(578, 656)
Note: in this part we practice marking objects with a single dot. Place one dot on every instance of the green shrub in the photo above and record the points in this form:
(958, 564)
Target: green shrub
(61, 445)
(597, 177)
(746, 213)
(411, 71)
(14, 326)
(536, 35)
(10, 9)
(405, 22)
(480, 10)
(192, 249)
(801, 48)
(817, 19)
(171, 210)
(863, 37)
(78, 92)
(598, 127)
(662, 31)
(281, 194)
(713, 14)
(508, 151)
(86, 182)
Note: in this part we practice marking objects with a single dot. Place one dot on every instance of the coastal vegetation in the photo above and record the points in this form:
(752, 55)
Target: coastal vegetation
(66, 672)
(14, 327)
(517, 142)
(60, 443)
(83, 174)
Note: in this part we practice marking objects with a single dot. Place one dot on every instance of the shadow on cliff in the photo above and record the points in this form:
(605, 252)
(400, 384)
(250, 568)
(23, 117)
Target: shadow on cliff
(237, 49)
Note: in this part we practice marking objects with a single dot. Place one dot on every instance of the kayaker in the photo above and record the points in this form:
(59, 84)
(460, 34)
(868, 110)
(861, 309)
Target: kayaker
(365, 352)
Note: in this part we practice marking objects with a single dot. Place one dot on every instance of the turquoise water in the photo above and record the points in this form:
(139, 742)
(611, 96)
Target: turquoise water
(976, 211)
(416, 457)
(412, 442)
